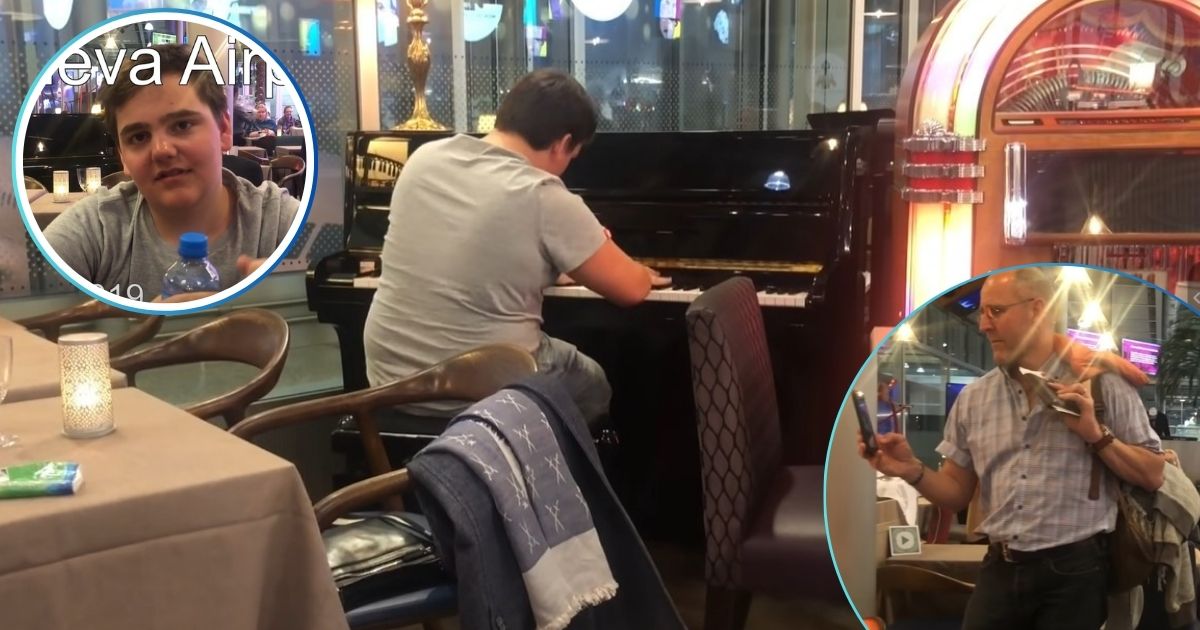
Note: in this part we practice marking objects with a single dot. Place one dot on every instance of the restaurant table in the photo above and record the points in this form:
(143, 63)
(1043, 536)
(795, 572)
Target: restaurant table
(45, 209)
(957, 561)
(35, 371)
(257, 152)
(178, 525)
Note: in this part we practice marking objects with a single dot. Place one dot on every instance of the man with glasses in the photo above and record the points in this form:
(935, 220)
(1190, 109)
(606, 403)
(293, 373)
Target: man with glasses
(1047, 565)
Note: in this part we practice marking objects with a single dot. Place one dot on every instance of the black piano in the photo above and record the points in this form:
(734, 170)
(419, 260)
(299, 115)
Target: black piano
(789, 209)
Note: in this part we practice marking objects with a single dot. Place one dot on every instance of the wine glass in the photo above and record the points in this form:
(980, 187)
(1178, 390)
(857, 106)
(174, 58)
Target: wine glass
(6, 353)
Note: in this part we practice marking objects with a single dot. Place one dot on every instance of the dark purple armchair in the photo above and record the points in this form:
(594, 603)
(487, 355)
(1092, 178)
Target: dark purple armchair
(763, 521)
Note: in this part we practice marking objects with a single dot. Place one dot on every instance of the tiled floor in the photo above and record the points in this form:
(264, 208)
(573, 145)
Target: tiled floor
(682, 571)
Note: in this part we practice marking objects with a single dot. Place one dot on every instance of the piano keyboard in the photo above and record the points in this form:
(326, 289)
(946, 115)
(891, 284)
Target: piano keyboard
(785, 300)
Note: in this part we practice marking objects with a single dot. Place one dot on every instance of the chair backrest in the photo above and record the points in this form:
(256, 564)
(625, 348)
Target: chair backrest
(112, 179)
(40, 173)
(252, 336)
(288, 172)
(470, 376)
(905, 592)
(737, 418)
(245, 168)
(50, 324)
(33, 184)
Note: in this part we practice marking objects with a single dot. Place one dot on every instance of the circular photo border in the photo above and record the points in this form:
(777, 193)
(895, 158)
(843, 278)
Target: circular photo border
(846, 403)
(39, 239)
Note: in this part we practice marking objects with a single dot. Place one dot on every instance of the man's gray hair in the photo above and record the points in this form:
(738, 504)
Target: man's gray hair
(1034, 282)
(1038, 282)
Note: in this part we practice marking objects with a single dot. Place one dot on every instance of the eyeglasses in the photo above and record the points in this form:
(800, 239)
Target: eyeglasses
(996, 311)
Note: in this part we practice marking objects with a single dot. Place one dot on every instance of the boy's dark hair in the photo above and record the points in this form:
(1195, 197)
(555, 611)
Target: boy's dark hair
(546, 105)
(173, 60)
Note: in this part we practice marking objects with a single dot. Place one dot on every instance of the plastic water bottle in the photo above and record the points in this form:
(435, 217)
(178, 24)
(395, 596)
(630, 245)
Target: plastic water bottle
(193, 271)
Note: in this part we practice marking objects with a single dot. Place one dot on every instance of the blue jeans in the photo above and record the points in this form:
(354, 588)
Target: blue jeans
(579, 374)
(1065, 591)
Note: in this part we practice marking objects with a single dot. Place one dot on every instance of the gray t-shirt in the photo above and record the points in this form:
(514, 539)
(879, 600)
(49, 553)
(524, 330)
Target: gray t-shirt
(110, 239)
(476, 232)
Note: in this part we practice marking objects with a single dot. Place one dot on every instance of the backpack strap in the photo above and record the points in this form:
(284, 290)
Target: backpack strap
(1098, 403)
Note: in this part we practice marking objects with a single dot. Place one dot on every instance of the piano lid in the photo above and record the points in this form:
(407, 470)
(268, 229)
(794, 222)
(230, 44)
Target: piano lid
(798, 166)
(677, 172)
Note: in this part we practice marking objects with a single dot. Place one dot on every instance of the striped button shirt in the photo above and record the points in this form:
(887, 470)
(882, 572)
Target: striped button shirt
(1034, 474)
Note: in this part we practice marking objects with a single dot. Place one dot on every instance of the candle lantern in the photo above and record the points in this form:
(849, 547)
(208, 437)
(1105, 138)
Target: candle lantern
(93, 179)
(62, 187)
(86, 388)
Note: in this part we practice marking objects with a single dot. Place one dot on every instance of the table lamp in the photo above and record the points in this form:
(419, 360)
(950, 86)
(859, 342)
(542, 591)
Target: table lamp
(93, 179)
(86, 388)
(61, 187)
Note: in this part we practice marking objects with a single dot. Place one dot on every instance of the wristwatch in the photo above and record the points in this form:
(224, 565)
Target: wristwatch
(1106, 438)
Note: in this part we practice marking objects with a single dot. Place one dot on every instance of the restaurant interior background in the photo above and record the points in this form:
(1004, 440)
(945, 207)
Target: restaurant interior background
(728, 64)
(714, 65)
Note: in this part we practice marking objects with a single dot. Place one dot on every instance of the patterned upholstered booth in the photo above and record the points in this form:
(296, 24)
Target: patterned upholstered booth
(763, 525)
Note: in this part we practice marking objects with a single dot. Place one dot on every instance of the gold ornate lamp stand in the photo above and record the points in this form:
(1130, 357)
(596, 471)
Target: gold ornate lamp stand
(418, 67)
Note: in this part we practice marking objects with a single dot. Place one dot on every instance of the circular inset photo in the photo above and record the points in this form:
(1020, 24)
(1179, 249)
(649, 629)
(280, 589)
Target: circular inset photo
(991, 454)
(164, 161)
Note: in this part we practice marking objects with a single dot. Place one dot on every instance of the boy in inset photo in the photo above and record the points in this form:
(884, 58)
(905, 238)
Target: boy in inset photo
(170, 138)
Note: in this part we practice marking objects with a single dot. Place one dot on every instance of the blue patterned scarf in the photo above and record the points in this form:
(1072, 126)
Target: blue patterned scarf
(510, 446)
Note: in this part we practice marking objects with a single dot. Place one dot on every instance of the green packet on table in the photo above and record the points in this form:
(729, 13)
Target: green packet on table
(38, 479)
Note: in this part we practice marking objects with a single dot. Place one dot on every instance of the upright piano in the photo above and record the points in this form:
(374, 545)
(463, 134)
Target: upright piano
(789, 209)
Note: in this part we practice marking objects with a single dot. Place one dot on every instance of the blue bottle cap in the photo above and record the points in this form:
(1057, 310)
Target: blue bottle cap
(193, 245)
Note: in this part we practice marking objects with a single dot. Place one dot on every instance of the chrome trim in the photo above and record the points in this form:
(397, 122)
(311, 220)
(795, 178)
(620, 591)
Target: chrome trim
(925, 195)
(944, 144)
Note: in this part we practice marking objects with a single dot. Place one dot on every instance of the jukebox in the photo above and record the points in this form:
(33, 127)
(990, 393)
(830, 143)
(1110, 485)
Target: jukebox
(1049, 130)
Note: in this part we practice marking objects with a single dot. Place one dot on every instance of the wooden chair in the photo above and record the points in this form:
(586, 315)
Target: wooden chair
(251, 336)
(763, 524)
(40, 173)
(288, 171)
(912, 597)
(470, 376)
(50, 324)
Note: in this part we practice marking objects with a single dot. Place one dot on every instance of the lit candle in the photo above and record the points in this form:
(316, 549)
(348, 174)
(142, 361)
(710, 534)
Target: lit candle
(61, 187)
(93, 179)
(86, 388)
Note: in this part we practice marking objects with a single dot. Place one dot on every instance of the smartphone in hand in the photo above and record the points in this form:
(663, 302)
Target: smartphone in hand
(864, 422)
(1041, 388)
